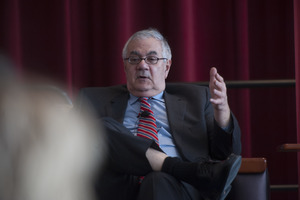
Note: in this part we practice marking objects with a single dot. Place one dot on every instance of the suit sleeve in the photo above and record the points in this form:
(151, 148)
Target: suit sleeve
(222, 143)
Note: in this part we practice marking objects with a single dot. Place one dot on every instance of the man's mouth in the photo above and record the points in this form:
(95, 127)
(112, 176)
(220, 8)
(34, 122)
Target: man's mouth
(142, 77)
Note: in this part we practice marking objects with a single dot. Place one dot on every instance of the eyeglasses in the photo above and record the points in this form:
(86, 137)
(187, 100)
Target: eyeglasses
(152, 60)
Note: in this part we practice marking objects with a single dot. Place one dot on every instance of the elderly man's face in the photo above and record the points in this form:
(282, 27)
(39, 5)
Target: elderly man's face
(145, 79)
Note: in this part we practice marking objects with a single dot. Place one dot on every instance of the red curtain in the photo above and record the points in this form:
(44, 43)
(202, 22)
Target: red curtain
(79, 44)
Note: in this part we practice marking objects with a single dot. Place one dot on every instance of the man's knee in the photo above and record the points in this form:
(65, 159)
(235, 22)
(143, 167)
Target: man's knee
(160, 185)
(159, 177)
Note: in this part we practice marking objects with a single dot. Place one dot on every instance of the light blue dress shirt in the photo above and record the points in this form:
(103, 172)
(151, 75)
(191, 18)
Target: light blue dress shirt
(158, 107)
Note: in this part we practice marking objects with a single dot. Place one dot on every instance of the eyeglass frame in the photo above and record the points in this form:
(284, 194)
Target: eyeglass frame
(145, 59)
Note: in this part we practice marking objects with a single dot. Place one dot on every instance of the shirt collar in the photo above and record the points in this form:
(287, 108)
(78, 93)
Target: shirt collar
(158, 97)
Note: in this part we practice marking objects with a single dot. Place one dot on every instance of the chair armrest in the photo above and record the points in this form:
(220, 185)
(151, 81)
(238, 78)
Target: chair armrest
(252, 181)
(253, 165)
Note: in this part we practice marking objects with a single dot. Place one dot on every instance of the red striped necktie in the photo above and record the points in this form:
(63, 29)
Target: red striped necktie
(147, 123)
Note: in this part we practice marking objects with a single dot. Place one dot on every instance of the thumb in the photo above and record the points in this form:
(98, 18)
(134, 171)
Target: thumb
(212, 75)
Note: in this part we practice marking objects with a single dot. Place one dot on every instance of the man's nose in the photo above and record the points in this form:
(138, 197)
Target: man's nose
(143, 65)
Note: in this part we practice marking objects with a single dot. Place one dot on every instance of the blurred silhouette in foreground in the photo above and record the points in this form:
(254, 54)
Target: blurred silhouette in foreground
(47, 150)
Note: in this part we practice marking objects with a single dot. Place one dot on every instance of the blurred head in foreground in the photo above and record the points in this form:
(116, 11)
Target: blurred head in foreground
(47, 150)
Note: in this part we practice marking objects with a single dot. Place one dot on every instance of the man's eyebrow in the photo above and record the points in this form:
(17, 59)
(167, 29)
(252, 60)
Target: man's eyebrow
(138, 54)
(134, 53)
(152, 53)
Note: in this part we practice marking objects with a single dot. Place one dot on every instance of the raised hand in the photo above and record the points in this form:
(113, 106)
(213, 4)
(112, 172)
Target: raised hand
(218, 99)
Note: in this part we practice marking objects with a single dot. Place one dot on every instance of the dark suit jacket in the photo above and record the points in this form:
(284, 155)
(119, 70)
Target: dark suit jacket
(190, 114)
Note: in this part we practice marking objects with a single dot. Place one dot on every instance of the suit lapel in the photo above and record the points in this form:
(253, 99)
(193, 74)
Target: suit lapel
(118, 106)
(176, 108)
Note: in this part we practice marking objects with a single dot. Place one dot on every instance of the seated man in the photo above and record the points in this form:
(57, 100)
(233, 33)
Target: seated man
(166, 141)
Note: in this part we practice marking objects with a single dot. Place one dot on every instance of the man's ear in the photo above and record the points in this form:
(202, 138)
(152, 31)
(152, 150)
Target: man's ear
(168, 67)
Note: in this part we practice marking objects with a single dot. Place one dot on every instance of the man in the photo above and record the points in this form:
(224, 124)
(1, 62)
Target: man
(190, 156)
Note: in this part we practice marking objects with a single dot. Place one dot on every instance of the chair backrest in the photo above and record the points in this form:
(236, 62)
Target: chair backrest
(252, 181)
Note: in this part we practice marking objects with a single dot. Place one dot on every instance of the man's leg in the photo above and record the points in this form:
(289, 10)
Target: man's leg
(190, 171)
(129, 157)
(117, 186)
(138, 156)
(155, 158)
(162, 186)
(126, 153)
(211, 178)
(125, 161)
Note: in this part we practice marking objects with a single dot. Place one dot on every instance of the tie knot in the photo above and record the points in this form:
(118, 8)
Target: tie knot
(144, 98)
(144, 103)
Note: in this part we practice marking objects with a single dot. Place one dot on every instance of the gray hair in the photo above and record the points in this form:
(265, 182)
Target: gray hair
(150, 33)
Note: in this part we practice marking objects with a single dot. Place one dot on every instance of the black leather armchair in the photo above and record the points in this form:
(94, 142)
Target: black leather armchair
(252, 181)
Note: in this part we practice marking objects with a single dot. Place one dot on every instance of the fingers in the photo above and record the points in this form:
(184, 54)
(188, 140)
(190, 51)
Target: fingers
(218, 99)
(216, 81)
(217, 88)
(218, 94)
(219, 78)
(212, 73)
(219, 83)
